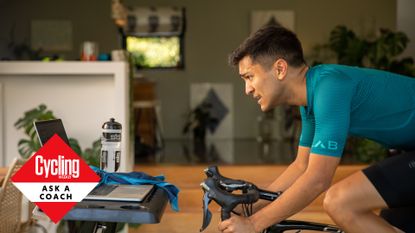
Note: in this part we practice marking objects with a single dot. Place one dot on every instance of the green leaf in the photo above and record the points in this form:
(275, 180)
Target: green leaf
(368, 151)
(74, 144)
(28, 146)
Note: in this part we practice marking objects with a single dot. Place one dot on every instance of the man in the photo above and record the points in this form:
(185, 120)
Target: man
(334, 101)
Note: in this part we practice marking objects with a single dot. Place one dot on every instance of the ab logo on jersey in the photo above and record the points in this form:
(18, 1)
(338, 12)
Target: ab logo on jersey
(55, 178)
(331, 145)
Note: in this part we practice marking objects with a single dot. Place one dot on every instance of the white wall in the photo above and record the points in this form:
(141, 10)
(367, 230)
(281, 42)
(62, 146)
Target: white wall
(405, 22)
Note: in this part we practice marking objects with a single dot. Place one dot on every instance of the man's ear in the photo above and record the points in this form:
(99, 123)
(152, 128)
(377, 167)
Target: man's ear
(280, 68)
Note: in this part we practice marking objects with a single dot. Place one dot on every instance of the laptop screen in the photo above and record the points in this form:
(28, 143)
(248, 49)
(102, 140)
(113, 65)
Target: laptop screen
(46, 129)
(120, 192)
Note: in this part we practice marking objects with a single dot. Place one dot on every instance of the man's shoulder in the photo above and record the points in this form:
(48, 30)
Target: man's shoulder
(332, 74)
(326, 69)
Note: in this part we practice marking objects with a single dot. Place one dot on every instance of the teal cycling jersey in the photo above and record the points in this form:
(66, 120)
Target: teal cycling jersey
(344, 100)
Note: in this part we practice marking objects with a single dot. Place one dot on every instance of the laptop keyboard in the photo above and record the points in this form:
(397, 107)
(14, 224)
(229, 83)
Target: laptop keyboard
(103, 190)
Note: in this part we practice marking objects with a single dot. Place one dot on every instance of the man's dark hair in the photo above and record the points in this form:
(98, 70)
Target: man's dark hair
(269, 44)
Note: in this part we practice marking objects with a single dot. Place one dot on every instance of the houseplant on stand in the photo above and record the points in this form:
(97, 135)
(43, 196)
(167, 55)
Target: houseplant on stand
(198, 121)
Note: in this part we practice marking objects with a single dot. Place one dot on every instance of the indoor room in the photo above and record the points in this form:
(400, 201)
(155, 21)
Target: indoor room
(163, 94)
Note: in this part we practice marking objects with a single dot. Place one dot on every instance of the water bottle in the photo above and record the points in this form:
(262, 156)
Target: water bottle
(111, 146)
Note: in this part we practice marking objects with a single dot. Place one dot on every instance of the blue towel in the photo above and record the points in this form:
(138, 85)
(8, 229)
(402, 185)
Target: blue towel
(140, 178)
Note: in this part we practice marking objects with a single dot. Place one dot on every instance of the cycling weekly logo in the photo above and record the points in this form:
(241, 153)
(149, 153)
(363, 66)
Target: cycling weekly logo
(55, 178)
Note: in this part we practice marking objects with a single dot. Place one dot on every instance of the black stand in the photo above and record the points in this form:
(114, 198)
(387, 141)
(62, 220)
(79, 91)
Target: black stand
(103, 216)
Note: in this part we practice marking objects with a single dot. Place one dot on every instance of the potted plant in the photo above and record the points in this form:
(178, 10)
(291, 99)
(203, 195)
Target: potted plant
(30, 145)
(199, 120)
(380, 52)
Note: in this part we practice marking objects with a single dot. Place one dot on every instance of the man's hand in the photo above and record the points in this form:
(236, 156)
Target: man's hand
(237, 224)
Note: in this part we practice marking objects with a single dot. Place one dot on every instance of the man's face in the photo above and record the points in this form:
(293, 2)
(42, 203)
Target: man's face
(262, 84)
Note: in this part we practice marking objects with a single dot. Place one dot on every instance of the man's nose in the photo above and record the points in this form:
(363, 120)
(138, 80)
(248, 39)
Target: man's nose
(248, 88)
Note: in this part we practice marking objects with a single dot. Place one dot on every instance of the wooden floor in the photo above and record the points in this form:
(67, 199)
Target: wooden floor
(188, 179)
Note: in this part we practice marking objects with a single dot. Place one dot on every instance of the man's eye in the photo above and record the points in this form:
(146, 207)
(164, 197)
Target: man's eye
(250, 78)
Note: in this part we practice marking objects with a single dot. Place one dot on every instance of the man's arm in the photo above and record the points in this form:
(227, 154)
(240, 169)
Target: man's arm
(288, 177)
(293, 171)
(315, 180)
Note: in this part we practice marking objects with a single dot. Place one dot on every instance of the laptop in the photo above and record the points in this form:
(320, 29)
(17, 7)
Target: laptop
(119, 192)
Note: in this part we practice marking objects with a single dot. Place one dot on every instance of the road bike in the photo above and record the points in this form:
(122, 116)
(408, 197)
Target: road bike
(229, 193)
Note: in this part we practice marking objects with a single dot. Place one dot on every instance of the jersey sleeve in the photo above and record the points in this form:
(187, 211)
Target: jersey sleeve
(307, 128)
(332, 107)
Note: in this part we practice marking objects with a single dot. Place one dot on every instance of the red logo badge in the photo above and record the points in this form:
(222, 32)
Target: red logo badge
(55, 178)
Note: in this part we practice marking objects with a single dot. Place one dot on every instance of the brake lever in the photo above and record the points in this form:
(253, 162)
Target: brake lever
(207, 215)
(227, 184)
(232, 187)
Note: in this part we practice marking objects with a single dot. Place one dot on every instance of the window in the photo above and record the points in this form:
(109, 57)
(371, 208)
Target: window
(155, 37)
(156, 52)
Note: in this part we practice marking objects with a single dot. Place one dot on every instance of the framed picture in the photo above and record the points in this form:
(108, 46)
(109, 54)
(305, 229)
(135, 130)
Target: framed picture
(220, 95)
(284, 18)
